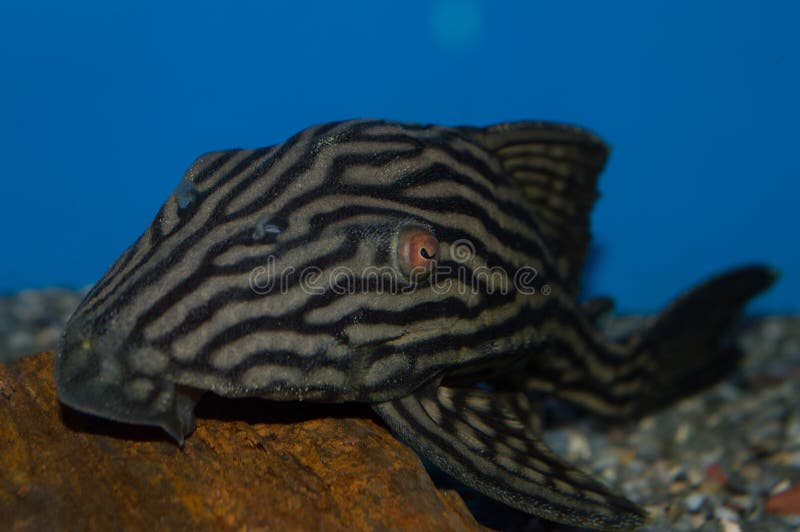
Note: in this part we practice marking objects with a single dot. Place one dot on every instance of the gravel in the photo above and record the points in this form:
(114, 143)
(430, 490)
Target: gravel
(713, 460)
(708, 462)
(32, 320)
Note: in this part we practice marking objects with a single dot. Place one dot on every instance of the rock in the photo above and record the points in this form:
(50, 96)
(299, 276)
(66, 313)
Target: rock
(695, 501)
(715, 473)
(249, 464)
(724, 513)
(729, 526)
(578, 447)
(786, 502)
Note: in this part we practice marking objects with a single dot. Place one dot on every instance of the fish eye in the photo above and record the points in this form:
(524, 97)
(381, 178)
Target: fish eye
(417, 252)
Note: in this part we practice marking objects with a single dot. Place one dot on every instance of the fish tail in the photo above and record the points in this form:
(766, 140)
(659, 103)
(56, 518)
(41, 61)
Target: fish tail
(688, 346)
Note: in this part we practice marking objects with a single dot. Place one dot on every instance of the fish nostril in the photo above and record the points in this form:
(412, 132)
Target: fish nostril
(265, 228)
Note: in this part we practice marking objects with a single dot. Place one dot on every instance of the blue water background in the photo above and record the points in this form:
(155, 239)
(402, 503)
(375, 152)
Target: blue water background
(105, 104)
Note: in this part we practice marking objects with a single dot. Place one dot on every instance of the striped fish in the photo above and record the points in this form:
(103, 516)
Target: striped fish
(429, 271)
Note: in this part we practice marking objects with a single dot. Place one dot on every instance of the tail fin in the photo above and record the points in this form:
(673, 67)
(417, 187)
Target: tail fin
(687, 347)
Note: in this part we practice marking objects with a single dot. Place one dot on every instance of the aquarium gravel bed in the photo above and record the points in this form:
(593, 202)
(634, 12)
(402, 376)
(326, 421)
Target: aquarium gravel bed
(727, 459)
(32, 320)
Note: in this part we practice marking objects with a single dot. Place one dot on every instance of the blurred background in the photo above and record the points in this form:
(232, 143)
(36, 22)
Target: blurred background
(105, 104)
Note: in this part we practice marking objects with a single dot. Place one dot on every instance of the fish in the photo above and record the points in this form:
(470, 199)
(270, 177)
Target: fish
(432, 272)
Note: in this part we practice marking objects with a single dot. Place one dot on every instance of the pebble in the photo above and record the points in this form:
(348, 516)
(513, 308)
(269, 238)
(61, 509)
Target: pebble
(679, 486)
(780, 487)
(787, 458)
(697, 521)
(695, 476)
(742, 503)
(730, 526)
(750, 472)
(785, 501)
(695, 501)
(578, 447)
(683, 433)
(717, 474)
(726, 514)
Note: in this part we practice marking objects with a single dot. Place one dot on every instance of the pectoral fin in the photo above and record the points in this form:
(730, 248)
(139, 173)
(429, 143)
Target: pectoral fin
(483, 440)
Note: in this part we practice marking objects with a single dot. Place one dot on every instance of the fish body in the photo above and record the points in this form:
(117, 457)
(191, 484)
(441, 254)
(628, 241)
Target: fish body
(429, 271)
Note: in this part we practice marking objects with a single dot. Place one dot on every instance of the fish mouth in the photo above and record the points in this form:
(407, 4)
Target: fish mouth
(93, 379)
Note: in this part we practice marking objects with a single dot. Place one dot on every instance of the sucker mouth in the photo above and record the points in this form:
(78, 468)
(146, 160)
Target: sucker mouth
(99, 386)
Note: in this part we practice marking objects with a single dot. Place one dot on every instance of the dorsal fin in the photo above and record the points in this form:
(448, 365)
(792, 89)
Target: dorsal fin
(556, 167)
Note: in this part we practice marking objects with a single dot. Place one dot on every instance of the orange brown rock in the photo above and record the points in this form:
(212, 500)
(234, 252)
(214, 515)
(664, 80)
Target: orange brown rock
(249, 464)
(786, 502)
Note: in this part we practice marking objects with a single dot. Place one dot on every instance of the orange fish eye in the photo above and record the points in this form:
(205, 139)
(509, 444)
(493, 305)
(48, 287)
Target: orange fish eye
(417, 251)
